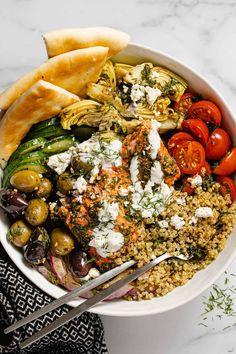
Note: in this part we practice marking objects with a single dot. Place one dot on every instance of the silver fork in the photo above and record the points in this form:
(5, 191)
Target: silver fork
(86, 305)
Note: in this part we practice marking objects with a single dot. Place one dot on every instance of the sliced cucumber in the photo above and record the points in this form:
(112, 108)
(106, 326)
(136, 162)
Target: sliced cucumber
(27, 147)
(49, 132)
(12, 168)
(30, 157)
(57, 145)
(45, 124)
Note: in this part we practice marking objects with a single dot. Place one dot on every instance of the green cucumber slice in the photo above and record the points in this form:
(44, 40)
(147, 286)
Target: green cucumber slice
(27, 147)
(57, 145)
(45, 124)
(49, 132)
(12, 168)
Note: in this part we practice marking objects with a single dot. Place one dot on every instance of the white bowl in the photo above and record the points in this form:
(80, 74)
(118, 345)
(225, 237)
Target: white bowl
(135, 54)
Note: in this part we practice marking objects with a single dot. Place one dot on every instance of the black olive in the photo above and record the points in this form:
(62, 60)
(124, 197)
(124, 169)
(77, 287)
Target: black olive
(79, 263)
(37, 247)
(14, 202)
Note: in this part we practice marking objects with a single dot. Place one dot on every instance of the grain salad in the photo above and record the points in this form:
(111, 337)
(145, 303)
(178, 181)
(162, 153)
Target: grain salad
(117, 162)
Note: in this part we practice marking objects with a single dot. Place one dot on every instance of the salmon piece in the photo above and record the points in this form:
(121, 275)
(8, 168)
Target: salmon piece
(138, 142)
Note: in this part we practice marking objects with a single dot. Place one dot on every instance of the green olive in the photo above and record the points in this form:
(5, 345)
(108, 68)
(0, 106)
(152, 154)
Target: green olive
(26, 180)
(36, 212)
(78, 165)
(44, 188)
(65, 183)
(62, 243)
(19, 233)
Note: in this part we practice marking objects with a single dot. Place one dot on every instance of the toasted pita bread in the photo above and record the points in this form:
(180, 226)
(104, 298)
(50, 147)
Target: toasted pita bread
(42, 101)
(71, 71)
(65, 40)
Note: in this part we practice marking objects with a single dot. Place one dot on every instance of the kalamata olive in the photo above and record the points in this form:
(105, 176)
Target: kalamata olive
(37, 247)
(84, 132)
(65, 183)
(13, 201)
(79, 165)
(79, 263)
(62, 243)
(44, 188)
(19, 233)
(26, 180)
(37, 212)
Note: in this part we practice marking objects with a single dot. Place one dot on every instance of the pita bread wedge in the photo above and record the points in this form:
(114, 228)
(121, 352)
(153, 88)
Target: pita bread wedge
(71, 71)
(42, 101)
(65, 40)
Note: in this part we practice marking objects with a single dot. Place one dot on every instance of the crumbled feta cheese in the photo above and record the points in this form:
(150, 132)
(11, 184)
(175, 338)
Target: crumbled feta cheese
(106, 240)
(204, 212)
(134, 169)
(196, 181)
(193, 220)
(125, 89)
(156, 173)
(163, 224)
(155, 74)
(93, 174)
(80, 185)
(181, 200)
(152, 94)
(154, 139)
(126, 203)
(60, 162)
(177, 221)
(109, 212)
(100, 153)
(137, 93)
(123, 192)
(94, 273)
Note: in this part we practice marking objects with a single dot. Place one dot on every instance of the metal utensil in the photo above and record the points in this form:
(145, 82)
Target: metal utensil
(86, 305)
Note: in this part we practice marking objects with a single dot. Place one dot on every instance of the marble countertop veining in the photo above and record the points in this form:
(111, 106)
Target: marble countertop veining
(202, 33)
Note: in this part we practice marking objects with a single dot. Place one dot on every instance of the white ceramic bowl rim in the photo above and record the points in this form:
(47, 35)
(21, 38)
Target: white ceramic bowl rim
(203, 279)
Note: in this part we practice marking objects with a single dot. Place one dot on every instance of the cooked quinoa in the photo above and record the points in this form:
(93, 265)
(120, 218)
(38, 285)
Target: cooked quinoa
(202, 240)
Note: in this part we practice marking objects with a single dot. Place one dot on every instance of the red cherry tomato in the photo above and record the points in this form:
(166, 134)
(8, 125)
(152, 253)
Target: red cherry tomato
(184, 103)
(227, 186)
(227, 164)
(176, 138)
(205, 170)
(189, 156)
(218, 144)
(205, 110)
(198, 129)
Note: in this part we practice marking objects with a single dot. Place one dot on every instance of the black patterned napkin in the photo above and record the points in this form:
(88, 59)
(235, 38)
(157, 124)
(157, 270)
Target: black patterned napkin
(19, 297)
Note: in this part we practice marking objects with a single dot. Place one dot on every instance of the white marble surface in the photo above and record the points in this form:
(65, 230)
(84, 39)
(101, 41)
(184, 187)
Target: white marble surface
(200, 33)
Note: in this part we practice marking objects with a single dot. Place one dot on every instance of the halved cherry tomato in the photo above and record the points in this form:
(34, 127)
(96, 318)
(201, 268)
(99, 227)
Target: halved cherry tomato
(205, 170)
(227, 164)
(189, 156)
(227, 186)
(176, 138)
(218, 144)
(205, 110)
(184, 103)
(198, 129)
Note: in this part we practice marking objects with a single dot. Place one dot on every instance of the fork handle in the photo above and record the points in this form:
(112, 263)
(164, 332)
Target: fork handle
(86, 305)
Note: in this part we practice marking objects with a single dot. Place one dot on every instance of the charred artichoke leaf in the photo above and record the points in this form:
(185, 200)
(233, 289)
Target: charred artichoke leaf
(171, 84)
(121, 70)
(108, 76)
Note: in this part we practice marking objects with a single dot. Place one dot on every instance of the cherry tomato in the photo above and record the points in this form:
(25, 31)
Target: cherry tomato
(187, 187)
(227, 186)
(205, 110)
(218, 144)
(176, 138)
(198, 129)
(189, 156)
(184, 103)
(227, 164)
(205, 170)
